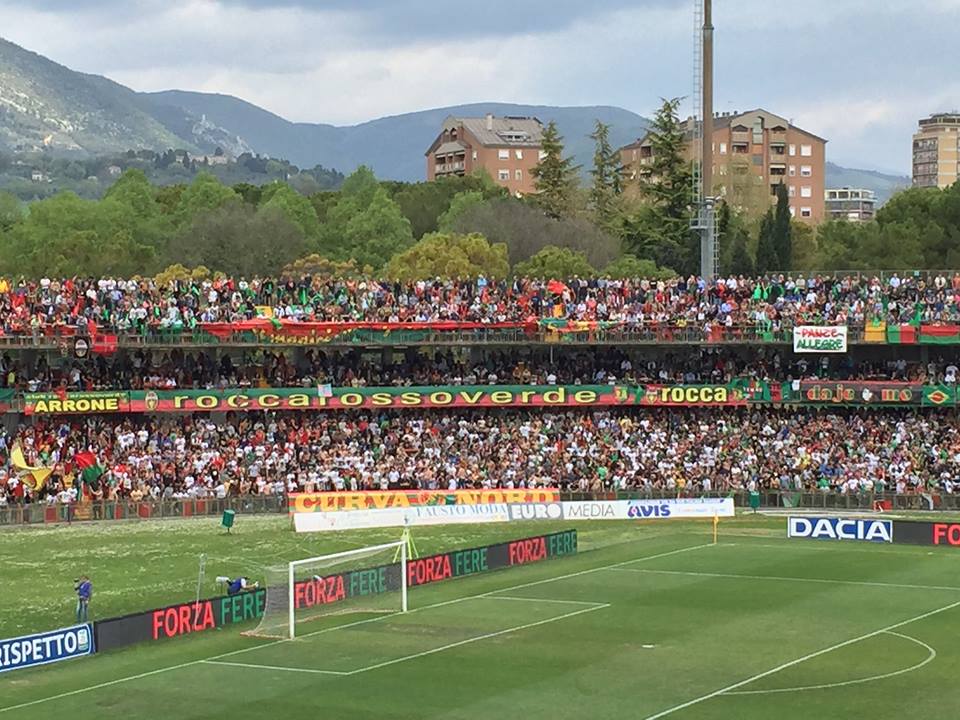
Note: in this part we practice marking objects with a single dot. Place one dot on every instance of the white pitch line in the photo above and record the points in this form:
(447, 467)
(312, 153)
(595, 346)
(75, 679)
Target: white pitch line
(791, 663)
(110, 683)
(828, 581)
(541, 600)
(931, 655)
(487, 636)
(276, 667)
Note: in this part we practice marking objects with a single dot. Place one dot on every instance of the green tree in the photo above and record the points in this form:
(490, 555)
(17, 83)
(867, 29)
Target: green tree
(239, 240)
(424, 203)
(804, 241)
(555, 263)
(11, 211)
(783, 229)
(662, 228)
(134, 190)
(460, 203)
(740, 261)
(377, 233)
(65, 235)
(767, 259)
(526, 231)
(555, 176)
(206, 192)
(606, 174)
(630, 266)
(295, 206)
(450, 256)
(317, 265)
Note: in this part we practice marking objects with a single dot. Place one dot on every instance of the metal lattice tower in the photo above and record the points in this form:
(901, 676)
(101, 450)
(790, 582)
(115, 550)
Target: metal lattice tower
(701, 130)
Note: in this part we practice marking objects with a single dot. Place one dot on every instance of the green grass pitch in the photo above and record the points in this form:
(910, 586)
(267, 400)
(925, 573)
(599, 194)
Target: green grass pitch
(650, 620)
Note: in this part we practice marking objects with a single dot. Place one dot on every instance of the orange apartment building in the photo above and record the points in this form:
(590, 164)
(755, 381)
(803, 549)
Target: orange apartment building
(754, 152)
(508, 148)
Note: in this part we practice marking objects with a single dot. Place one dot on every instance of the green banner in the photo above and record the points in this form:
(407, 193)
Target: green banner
(432, 397)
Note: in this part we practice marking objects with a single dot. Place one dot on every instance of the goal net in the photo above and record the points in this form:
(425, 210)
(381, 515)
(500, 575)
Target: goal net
(367, 580)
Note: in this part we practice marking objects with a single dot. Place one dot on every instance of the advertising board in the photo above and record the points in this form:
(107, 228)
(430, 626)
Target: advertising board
(47, 647)
(927, 533)
(839, 528)
(373, 499)
(401, 517)
(181, 619)
(649, 509)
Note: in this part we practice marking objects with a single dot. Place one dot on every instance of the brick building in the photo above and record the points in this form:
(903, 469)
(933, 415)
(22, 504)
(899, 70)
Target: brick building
(753, 152)
(508, 148)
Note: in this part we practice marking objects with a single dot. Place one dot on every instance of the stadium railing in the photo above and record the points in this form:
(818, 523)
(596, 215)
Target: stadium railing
(42, 513)
(62, 339)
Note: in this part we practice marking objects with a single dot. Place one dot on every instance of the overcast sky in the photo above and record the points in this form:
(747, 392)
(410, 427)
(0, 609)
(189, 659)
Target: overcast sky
(858, 73)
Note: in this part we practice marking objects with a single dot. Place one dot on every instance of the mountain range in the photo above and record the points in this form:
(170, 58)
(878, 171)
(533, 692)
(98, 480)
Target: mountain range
(46, 105)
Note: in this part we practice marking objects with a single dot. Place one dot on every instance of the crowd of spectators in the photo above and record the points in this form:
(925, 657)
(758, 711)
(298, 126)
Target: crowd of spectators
(666, 450)
(141, 305)
(207, 370)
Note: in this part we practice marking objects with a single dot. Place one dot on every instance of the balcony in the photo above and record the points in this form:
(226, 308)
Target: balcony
(449, 168)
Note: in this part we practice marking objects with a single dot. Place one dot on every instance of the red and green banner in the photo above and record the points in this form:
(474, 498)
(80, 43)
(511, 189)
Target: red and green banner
(396, 398)
(901, 335)
(293, 332)
(939, 335)
(855, 393)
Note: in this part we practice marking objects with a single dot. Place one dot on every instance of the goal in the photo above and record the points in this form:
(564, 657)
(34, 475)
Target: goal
(367, 580)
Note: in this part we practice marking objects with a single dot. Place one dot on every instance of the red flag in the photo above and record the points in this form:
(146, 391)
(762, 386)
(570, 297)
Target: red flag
(556, 287)
(104, 344)
(84, 460)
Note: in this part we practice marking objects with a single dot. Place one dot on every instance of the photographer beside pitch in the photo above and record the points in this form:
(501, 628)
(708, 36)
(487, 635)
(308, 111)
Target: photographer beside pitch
(84, 590)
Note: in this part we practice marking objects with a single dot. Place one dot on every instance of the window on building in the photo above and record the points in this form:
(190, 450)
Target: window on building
(723, 148)
(793, 211)
(503, 175)
(806, 171)
(806, 191)
(793, 171)
(792, 191)
(792, 150)
(518, 154)
(518, 175)
(474, 154)
(806, 212)
(542, 155)
(503, 154)
(806, 150)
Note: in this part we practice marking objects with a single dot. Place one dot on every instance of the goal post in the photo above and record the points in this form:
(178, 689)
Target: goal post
(366, 580)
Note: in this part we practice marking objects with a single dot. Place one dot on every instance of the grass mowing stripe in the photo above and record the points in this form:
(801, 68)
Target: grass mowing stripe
(100, 686)
(487, 636)
(791, 663)
(867, 583)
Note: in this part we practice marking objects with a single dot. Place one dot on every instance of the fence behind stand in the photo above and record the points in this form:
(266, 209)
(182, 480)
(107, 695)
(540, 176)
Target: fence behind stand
(39, 513)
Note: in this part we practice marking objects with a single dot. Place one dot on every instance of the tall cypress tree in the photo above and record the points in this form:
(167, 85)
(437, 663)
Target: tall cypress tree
(782, 230)
(767, 259)
(556, 176)
(666, 186)
(606, 174)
